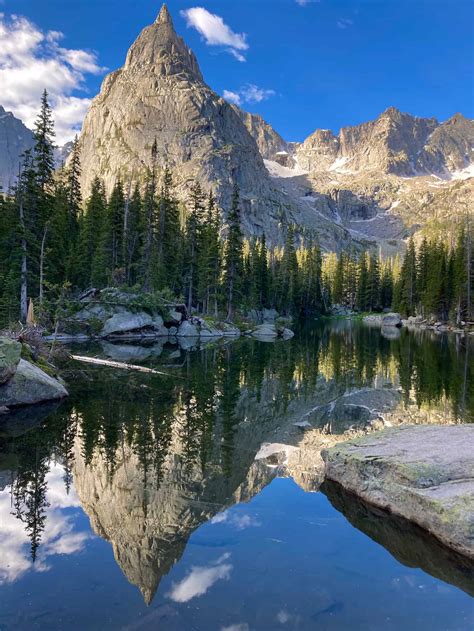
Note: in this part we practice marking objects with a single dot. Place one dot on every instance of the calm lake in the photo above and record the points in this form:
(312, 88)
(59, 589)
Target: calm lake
(193, 501)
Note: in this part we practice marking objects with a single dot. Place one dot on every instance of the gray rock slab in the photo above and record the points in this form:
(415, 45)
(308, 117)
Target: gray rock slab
(30, 385)
(424, 473)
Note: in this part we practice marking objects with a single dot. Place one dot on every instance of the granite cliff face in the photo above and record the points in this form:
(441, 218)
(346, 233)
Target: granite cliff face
(387, 179)
(395, 143)
(160, 95)
(15, 139)
(269, 142)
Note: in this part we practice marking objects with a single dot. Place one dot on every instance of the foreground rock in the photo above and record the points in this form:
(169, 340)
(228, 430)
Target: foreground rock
(10, 352)
(422, 473)
(30, 385)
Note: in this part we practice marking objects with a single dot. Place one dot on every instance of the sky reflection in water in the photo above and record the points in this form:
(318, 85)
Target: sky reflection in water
(171, 523)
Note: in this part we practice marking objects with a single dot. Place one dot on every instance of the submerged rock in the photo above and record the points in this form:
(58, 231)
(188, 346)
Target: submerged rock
(10, 353)
(423, 473)
(30, 385)
(265, 332)
(268, 332)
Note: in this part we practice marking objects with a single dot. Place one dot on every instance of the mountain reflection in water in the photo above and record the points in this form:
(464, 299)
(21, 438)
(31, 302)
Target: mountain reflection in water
(151, 458)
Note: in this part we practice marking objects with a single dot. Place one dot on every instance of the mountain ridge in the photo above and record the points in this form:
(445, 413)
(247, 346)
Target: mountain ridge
(371, 185)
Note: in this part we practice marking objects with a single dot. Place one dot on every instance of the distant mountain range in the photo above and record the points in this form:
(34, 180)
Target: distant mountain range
(15, 139)
(372, 184)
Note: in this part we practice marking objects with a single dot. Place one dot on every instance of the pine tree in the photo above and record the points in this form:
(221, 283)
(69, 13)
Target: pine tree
(289, 298)
(233, 255)
(209, 260)
(362, 283)
(150, 221)
(91, 262)
(386, 285)
(407, 283)
(194, 242)
(338, 283)
(44, 144)
(133, 235)
(373, 284)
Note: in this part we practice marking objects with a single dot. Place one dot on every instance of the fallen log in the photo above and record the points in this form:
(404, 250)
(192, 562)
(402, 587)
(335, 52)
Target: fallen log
(112, 364)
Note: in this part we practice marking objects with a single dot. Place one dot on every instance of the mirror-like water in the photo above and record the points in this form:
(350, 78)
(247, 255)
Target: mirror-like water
(194, 500)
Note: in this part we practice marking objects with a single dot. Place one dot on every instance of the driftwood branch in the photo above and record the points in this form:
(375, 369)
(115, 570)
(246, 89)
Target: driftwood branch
(112, 364)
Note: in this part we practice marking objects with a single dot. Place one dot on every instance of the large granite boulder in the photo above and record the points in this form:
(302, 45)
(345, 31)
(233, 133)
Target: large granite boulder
(424, 473)
(127, 321)
(392, 319)
(10, 353)
(30, 385)
(187, 329)
(383, 320)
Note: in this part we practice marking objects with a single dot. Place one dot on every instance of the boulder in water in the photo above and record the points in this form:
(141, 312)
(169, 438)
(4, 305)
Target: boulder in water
(30, 385)
(424, 473)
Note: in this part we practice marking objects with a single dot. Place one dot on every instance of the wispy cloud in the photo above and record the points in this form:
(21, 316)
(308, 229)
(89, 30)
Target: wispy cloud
(304, 3)
(249, 93)
(235, 519)
(200, 579)
(343, 24)
(59, 536)
(215, 31)
(32, 60)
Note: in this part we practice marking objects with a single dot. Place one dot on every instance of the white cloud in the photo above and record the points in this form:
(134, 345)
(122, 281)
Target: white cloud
(344, 23)
(215, 31)
(240, 626)
(249, 93)
(32, 60)
(253, 94)
(58, 536)
(283, 616)
(200, 580)
(234, 519)
(304, 3)
(232, 97)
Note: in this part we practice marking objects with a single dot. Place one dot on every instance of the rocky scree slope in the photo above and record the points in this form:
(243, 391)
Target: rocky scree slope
(387, 179)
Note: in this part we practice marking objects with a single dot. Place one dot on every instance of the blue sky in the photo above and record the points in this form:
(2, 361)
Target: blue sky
(308, 64)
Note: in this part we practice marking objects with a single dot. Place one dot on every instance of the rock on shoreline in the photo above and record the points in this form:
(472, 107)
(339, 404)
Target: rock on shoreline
(384, 320)
(422, 473)
(22, 382)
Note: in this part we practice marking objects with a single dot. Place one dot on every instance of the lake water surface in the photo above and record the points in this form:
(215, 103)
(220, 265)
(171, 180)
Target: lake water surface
(193, 500)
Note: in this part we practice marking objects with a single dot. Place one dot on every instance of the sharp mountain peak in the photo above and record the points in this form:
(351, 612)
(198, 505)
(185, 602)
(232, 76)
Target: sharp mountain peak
(164, 16)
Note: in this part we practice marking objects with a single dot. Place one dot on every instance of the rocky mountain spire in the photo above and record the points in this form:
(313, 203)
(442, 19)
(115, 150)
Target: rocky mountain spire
(164, 16)
(159, 48)
(160, 94)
